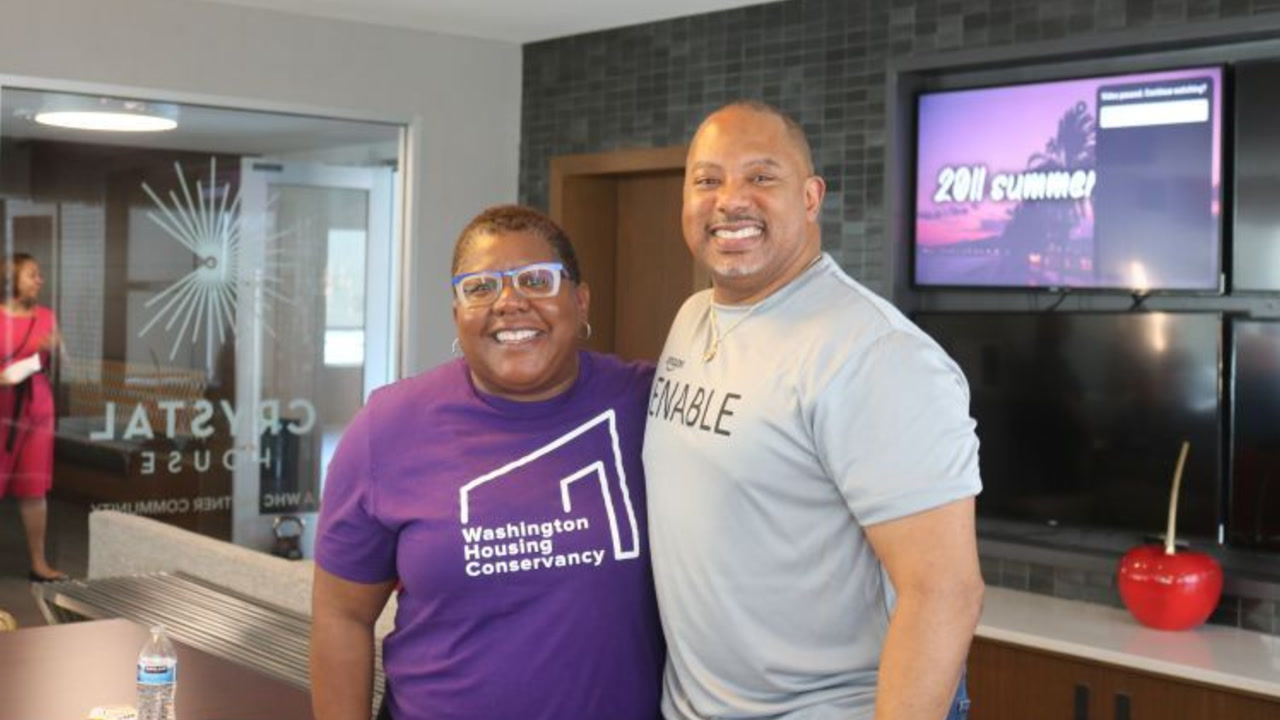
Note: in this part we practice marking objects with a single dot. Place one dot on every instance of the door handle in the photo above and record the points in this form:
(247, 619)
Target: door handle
(1123, 701)
(1081, 711)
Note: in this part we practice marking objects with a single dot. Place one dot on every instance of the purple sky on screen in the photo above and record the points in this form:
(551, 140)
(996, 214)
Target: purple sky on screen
(1000, 128)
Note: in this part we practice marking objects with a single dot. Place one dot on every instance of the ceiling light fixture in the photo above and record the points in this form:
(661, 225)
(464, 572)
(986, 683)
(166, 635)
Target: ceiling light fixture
(107, 115)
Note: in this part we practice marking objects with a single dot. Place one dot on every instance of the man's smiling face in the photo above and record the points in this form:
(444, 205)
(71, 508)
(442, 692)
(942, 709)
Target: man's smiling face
(751, 203)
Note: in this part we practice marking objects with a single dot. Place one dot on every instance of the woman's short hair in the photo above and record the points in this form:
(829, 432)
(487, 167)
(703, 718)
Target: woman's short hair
(10, 266)
(518, 218)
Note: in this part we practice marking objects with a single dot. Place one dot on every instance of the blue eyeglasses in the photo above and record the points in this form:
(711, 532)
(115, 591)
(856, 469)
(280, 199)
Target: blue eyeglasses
(477, 289)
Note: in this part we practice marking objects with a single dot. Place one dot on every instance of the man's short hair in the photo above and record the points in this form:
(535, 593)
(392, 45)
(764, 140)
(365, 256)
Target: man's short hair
(518, 218)
(794, 130)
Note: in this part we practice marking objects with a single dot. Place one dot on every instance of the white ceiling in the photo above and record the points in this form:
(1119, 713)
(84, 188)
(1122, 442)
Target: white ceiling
(275, 135)
(518, 21)
(206, 129)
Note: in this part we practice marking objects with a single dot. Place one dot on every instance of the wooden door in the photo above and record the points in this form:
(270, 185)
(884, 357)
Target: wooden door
(653, 268)
(622, 211)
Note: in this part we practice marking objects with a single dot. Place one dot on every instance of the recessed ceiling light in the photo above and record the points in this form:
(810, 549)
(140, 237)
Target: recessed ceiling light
(85, 112)
(108, 121)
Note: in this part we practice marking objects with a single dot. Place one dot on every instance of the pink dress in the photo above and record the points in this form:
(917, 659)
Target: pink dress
(26, 409)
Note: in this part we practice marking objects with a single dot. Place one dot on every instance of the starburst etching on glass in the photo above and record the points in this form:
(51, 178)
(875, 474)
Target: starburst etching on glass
(209, 225)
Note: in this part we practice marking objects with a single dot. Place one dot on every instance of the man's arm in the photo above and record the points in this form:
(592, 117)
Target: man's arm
(932, 560)
(343, 616)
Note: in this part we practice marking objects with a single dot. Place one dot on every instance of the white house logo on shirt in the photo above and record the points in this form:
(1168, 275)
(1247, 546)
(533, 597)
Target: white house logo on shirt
(560, 537)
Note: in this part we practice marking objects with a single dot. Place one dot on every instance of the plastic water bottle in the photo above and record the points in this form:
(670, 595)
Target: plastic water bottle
(157, 677)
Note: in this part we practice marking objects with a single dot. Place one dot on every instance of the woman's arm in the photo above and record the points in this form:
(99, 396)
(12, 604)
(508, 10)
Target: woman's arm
(343, 616)
(53, 341)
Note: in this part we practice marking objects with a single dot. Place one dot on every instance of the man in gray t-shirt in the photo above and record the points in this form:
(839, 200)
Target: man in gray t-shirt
(811, 464)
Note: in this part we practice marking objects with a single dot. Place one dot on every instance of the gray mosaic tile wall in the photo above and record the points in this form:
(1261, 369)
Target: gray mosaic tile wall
(1099, 586)
(821, 60)
(824, 61)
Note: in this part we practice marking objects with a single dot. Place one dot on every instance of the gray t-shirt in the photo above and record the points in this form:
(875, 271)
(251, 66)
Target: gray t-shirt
(824, 410)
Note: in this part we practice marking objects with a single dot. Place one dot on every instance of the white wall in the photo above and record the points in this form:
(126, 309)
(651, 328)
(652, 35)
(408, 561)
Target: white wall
(462, 97)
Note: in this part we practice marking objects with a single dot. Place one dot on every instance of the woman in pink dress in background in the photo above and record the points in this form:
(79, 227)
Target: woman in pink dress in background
(26, 404)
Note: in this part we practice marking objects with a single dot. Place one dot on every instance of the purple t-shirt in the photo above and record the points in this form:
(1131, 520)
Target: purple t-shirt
(519, 535)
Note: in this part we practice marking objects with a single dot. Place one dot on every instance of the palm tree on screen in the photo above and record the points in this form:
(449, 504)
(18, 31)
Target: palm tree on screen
(1042, 228)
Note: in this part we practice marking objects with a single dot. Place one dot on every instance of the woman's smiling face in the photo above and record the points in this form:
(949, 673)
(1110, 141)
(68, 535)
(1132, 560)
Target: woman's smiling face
(28, 282)
(518, 347)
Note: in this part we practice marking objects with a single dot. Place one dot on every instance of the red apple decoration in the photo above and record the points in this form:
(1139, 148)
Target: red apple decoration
(1167, 589)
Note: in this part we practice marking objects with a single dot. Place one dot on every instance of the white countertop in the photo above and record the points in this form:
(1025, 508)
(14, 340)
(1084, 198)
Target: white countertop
(1211, 654)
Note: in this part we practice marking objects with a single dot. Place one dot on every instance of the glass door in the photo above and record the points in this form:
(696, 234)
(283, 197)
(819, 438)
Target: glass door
(224, 285)
(316, 333)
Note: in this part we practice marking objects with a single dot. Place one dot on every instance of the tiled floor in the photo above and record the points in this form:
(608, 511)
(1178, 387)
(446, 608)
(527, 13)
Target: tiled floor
(68, 551)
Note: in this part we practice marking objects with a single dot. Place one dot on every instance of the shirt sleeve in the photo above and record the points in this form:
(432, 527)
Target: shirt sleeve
(350, 541)
(894, 431)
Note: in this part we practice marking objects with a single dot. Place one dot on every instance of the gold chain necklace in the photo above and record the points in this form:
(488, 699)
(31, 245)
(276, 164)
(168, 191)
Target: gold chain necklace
(718, 337)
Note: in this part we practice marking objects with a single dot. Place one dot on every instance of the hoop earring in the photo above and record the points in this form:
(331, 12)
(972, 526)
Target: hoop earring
(455, 348)
(586, 325)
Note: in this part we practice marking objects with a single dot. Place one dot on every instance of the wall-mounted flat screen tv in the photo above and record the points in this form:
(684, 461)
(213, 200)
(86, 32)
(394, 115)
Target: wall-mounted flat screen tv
(1104, 183)
(1254, 518)
(1081, 416)
(1255, 143)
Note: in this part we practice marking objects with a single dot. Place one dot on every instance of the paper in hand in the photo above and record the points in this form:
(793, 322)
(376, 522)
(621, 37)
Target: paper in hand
(21, 370)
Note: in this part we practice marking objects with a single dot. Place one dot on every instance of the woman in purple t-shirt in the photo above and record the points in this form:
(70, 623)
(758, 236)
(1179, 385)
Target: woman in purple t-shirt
(501, 496)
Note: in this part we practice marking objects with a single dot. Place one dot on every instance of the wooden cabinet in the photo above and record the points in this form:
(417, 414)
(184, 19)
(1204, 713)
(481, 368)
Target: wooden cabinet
(1011, 682)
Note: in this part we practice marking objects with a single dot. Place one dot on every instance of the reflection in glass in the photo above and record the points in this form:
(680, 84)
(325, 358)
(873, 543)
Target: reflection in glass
(212, 286)
(344, 298)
